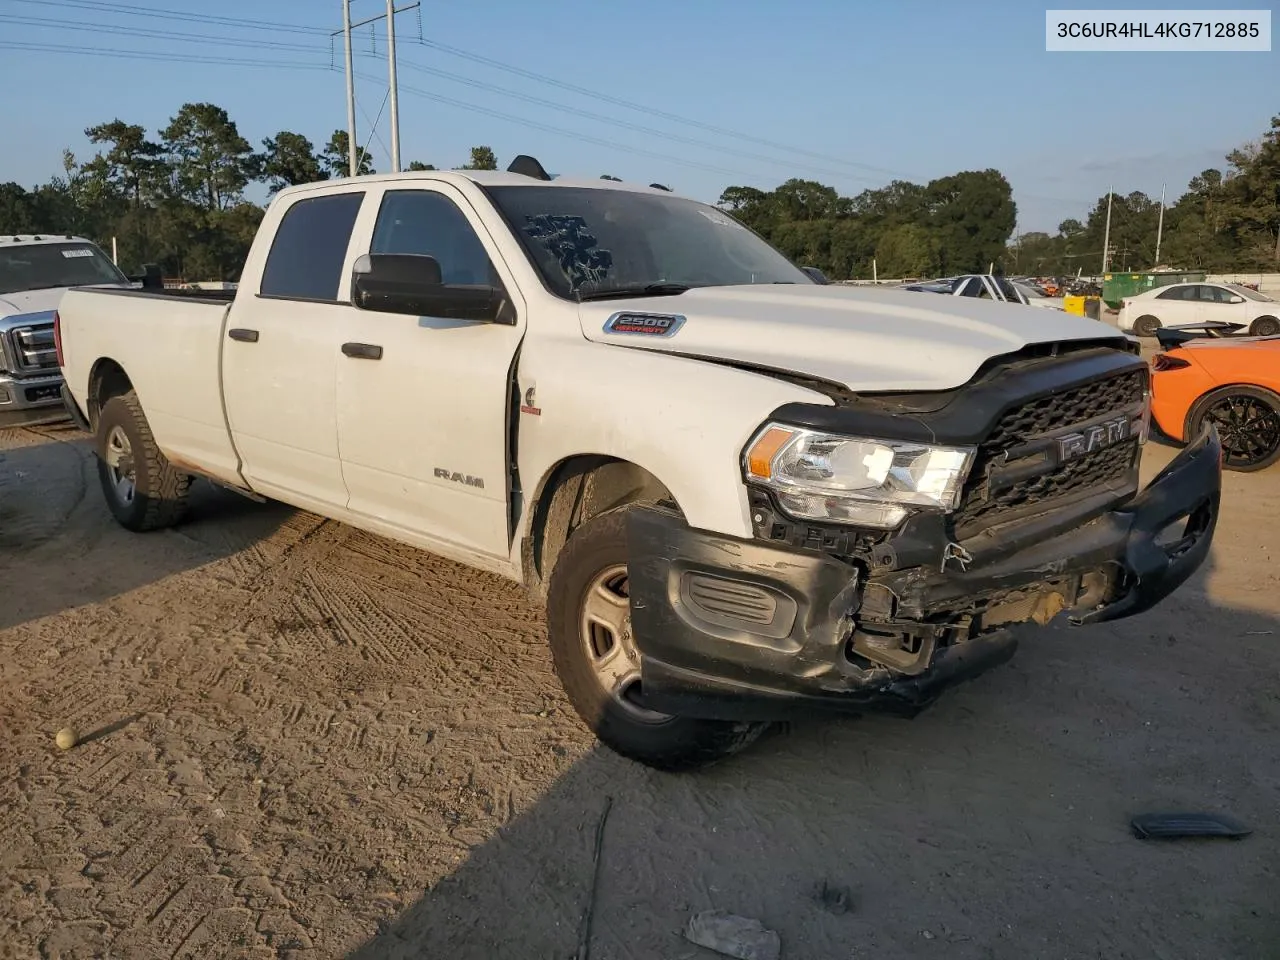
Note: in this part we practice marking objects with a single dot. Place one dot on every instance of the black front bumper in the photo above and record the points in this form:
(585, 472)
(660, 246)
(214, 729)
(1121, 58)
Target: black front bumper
(739, 629)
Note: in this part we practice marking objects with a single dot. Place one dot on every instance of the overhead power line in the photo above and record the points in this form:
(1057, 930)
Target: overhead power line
(630, 105)
(110, 7)
(159, 56)
(443, 74)
(547, 128)
(613, 121)
(120, 29)
(135, 10)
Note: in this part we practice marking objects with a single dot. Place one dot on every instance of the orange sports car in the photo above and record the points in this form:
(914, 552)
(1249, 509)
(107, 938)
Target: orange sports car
(1233, 383)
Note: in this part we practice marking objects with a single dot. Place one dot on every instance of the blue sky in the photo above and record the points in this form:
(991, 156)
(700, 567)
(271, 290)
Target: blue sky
(848, 93)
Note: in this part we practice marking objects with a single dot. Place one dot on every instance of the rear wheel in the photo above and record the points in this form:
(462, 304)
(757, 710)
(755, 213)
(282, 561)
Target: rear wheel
(1265, 327)
(1146, 326)
(1248, 422)
(596, 658)
(143, 490)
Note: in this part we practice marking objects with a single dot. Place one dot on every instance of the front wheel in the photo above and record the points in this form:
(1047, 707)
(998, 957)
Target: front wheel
(596, 658)
(1265, 327)
(142, 488)
(1248, 422)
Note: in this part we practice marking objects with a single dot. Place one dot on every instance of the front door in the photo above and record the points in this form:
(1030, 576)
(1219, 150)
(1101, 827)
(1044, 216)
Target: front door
(280, 358)
(423, 402)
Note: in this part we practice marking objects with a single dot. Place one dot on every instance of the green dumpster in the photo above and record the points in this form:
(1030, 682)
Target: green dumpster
(1116, 286)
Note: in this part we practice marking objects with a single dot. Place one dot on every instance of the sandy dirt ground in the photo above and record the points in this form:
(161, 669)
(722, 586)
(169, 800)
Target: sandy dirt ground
(305, 741)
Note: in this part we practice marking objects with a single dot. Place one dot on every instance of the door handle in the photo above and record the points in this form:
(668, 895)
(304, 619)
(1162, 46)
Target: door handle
(243, 335)
(362, 351)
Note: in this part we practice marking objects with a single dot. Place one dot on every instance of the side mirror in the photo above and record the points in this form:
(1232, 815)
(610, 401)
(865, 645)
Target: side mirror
(411, 284)
(816, 275)
(1236, 298)
(151, 277)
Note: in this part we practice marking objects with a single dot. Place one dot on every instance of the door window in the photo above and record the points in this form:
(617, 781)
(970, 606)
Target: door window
(1210, 294)
(427, 223)
(1186, 292)
(310, 247)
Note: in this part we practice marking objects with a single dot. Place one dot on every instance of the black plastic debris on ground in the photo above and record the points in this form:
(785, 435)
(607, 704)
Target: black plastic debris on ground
(834, 898)
(1178, 826)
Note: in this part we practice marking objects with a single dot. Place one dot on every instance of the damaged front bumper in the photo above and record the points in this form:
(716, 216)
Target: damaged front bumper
(741, 629)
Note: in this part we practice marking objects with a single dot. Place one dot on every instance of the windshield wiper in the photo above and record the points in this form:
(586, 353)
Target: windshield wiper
(634, 290)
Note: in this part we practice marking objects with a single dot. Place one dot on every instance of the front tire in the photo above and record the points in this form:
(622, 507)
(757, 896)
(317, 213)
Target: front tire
(143, 490)
(1248, 422)
(595, 656)
(1265, 327)
(1146, 326)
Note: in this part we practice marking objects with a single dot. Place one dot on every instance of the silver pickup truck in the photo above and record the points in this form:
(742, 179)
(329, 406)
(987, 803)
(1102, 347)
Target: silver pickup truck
(35, 271)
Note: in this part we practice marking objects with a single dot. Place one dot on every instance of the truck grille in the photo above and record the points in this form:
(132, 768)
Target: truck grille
(1037, 419)
(32, 349)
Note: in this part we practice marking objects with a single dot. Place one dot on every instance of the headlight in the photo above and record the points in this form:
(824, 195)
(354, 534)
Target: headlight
(856, 480)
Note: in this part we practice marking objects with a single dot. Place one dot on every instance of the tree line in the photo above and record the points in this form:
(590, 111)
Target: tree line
(1227, 220)
(178, 199)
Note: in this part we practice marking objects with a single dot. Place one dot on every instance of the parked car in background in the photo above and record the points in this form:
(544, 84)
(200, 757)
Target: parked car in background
(35, 271)
(1192, 304)
(1232, 384)
(1036, 297)
(979, 286)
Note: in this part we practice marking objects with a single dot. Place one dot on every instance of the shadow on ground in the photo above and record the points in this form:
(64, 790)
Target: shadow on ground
(52, 509)
(995, 825)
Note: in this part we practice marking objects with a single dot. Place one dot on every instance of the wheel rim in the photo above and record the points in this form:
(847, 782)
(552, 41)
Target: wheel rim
(119, 460)
(1268, 328)
(610, 647)
(1248, 427)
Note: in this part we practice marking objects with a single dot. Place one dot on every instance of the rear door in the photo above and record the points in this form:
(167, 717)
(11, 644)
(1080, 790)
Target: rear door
(423, 402)
(281, 352)
(1176, 306)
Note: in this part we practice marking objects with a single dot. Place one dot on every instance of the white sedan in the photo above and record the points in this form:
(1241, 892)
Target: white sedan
(1190, 304)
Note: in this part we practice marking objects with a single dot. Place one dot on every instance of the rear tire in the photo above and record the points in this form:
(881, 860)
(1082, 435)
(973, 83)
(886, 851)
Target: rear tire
(1146, 326)
(1265, 327)
(1248, 422)
(589, 621)
(142, 489)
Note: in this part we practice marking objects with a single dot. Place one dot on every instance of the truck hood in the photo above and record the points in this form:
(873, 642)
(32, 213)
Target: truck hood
(867, 339)
(30, 301)
(35, 301)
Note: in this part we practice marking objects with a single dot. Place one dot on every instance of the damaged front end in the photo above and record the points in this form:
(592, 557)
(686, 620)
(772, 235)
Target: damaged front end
(818, 615)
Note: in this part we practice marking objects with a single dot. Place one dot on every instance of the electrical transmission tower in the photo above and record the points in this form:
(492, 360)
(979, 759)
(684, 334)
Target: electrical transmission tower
(394, 89)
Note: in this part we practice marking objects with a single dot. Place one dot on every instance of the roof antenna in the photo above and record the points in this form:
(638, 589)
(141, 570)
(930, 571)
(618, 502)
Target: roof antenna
(526, 166)
(658, 186)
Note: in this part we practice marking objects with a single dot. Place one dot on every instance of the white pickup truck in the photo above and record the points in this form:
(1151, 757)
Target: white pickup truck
(35, 271)
(740, 493)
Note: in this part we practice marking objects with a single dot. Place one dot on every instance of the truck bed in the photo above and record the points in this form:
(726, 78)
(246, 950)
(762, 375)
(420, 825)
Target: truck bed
(170, 342)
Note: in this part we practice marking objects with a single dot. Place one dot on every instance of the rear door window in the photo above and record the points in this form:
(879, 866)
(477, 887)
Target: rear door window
(310, 247)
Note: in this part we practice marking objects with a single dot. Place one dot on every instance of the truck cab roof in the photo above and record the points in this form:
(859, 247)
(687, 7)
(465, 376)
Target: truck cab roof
(27, 239)
(481, 178)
